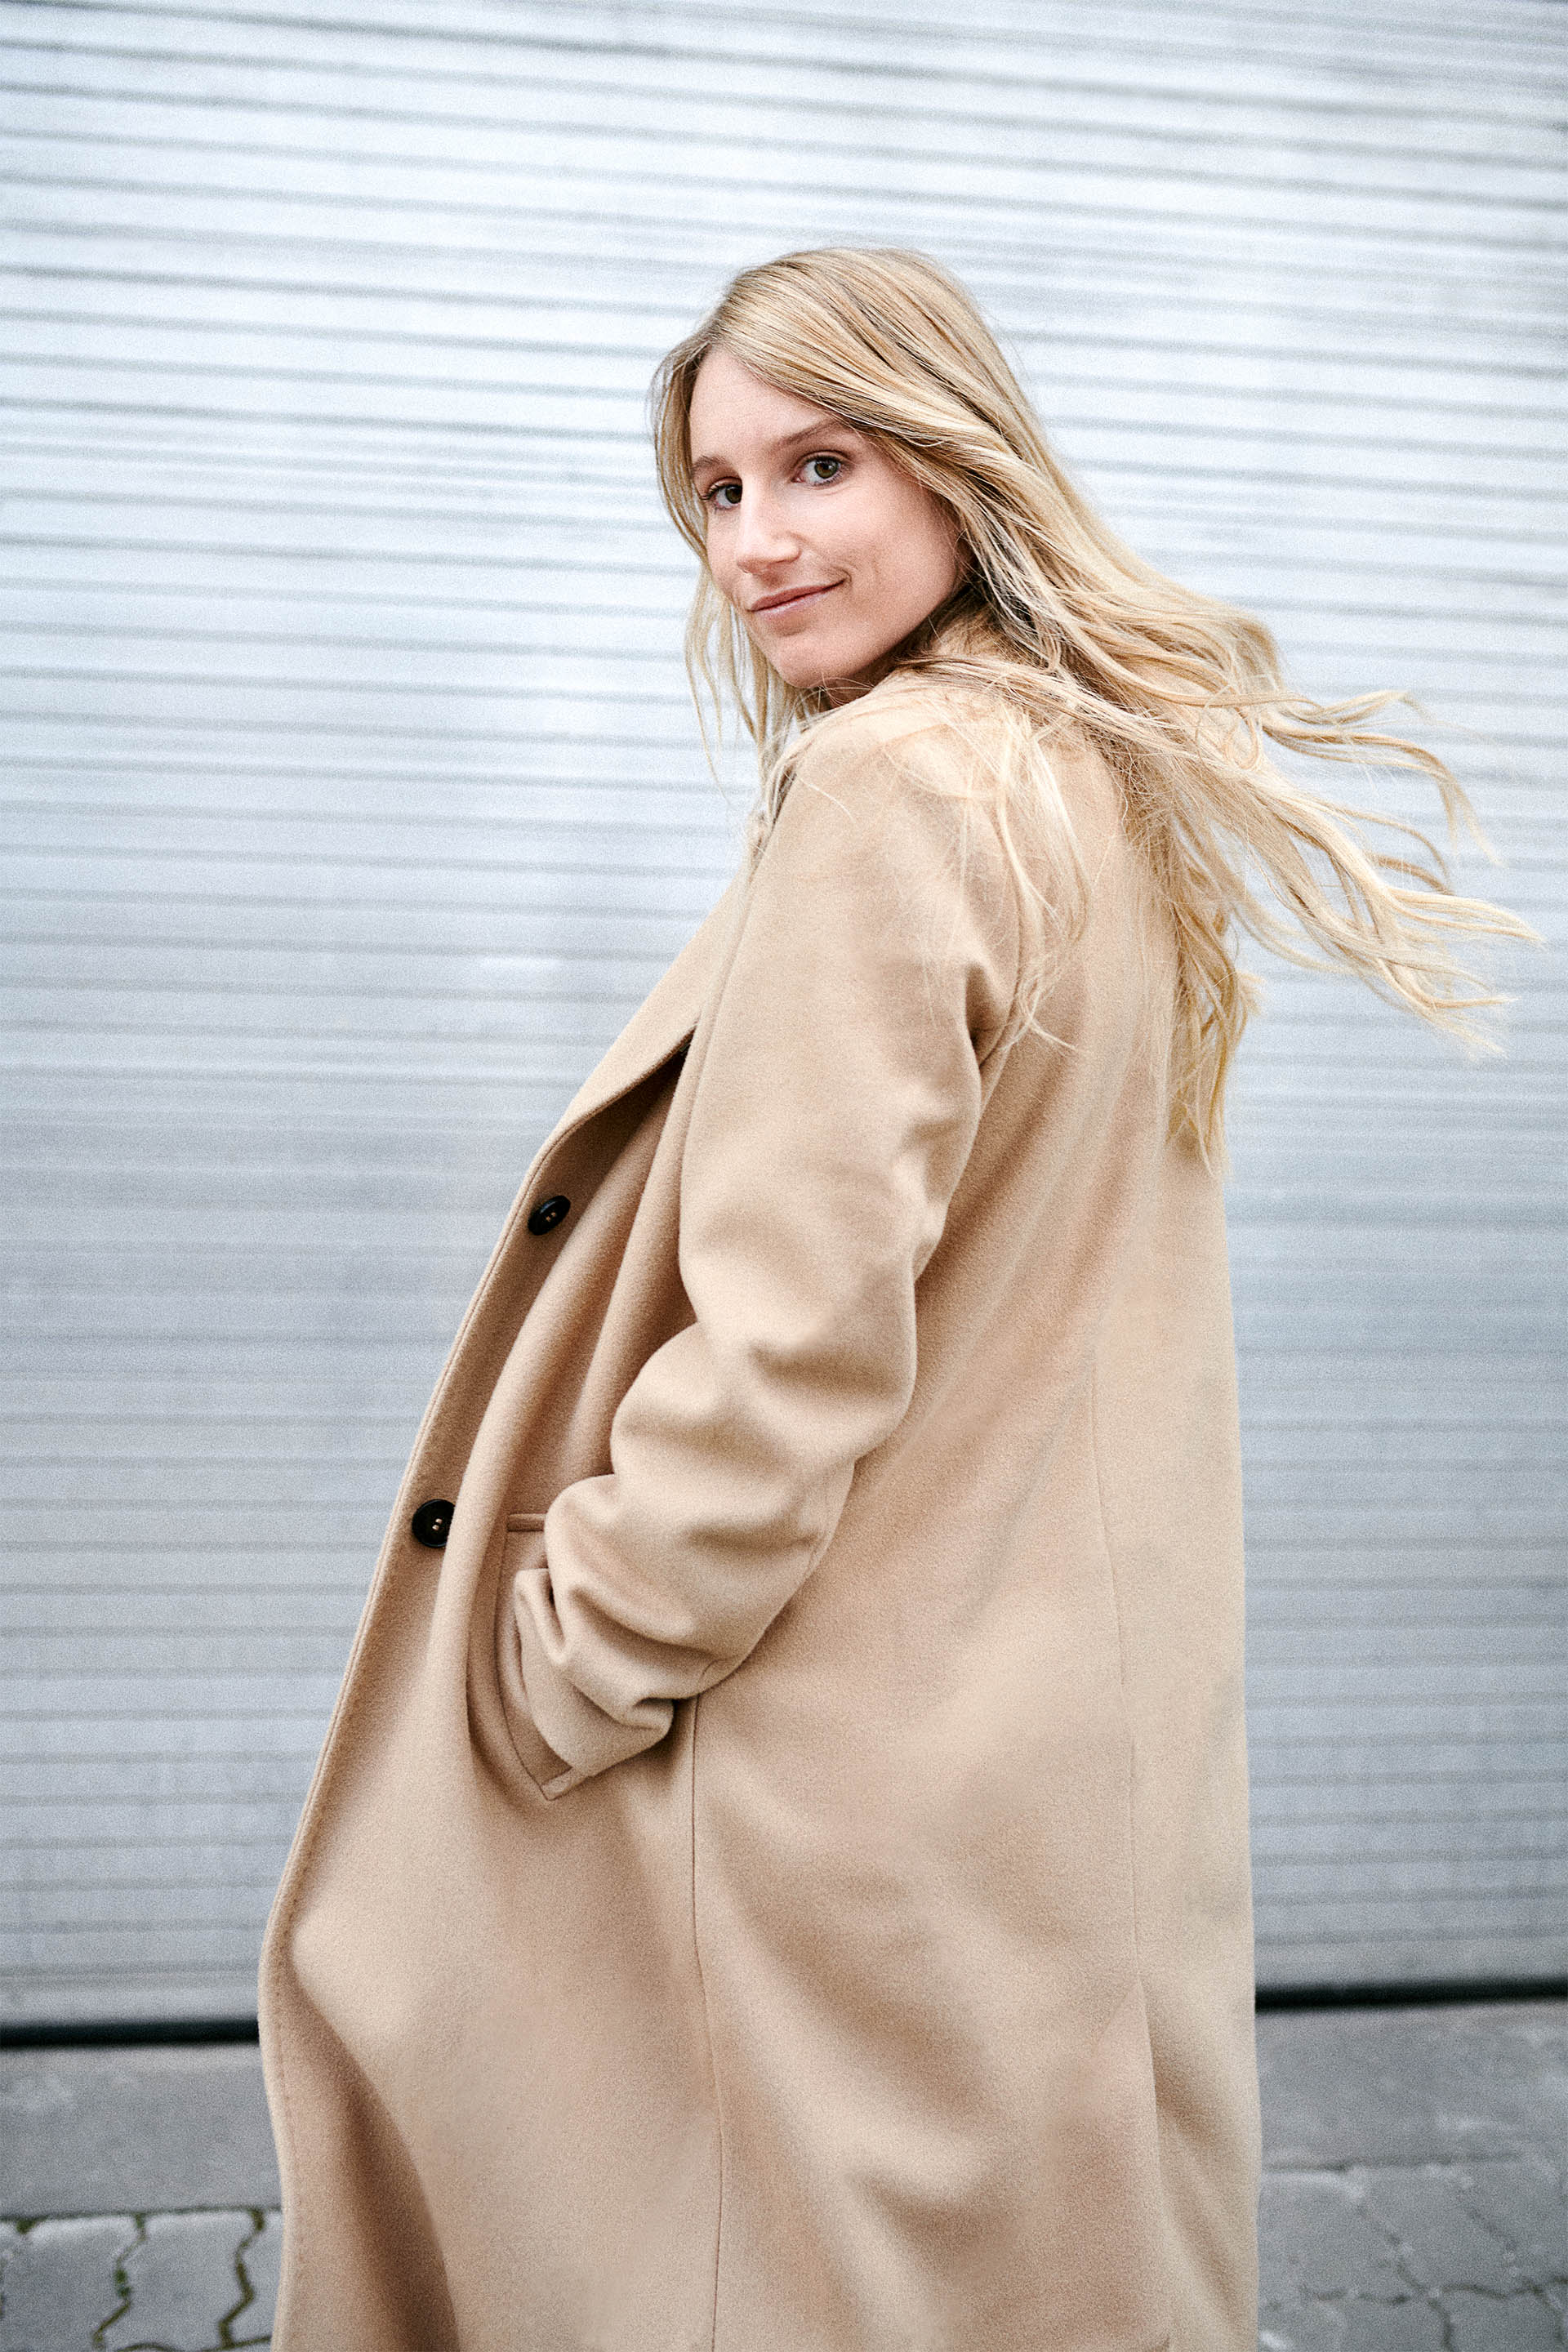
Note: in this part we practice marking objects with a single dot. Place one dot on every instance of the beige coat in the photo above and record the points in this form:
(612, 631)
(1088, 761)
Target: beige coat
(777, 1882)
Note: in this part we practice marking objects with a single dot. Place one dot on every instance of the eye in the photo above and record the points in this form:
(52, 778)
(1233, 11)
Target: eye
(825, 468)
(725, 496)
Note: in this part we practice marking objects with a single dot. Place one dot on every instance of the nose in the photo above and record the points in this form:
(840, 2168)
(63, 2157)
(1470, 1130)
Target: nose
(764, 539)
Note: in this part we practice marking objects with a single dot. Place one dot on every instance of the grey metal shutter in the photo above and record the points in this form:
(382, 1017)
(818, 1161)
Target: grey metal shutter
(352, 801)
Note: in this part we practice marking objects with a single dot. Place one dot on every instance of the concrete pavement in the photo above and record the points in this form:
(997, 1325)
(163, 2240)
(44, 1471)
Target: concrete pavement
(1416, 2167)
(1416, 2180)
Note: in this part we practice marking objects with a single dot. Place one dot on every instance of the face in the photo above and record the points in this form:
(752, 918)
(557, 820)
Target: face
(830, 553)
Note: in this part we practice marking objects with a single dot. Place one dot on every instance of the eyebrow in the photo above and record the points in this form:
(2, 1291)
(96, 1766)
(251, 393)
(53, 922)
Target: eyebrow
(800, 440)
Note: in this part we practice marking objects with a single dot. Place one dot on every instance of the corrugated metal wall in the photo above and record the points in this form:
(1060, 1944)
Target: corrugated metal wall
(352, 801)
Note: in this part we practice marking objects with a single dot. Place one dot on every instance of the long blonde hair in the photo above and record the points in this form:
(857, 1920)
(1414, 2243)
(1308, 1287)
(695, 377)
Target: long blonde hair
(1058, 621)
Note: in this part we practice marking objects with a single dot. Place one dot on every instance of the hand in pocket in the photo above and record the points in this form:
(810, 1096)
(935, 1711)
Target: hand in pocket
(525, 1551)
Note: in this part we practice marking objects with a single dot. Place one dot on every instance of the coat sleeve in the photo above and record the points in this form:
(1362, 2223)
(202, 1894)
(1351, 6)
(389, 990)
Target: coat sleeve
(833, 1114)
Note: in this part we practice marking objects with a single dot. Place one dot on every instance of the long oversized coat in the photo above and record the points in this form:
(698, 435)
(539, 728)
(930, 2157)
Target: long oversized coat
(777, 1880)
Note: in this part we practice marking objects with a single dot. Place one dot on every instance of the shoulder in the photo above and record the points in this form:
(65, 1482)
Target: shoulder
(956, 763)
(898, 775)
(877, 841)
(964, 736)
(894, 780)
(912, 730)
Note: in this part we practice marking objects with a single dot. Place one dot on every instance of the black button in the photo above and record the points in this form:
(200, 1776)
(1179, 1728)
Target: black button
(431, 1525)
(550, 1214)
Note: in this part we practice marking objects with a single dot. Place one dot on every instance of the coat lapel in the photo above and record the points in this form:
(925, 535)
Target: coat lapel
(663, 1022)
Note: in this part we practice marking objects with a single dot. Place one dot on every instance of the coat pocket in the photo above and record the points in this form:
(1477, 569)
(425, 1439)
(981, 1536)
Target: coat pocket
(524, 1551)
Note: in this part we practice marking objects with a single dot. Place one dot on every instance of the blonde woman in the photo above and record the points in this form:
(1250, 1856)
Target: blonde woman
(777, 1879)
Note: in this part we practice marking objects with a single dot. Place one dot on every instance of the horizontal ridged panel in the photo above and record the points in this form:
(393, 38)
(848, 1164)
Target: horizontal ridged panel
(354, 799)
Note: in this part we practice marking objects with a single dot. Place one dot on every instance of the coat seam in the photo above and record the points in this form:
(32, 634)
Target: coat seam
(1121, 1647)
(1132, 1838)
(708, 2036)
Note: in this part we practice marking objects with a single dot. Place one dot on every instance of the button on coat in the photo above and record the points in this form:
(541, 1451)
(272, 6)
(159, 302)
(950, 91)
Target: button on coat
(431, 1525)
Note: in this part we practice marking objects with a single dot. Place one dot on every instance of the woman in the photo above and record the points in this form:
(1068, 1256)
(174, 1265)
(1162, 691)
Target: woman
(777, 1878)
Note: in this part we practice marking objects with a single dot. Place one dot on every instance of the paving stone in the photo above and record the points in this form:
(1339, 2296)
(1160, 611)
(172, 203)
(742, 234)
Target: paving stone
(59, 2283)
(184, 2282)
(260, 2262)
(1412, 2326)
(1353, 2324)
(135, 2131)
(1441, 2241)
(1506, 2323)
(1303, 2328)
(1320, 2241)
(1414, 2085)
(1277, 2282)
(1525, 2203)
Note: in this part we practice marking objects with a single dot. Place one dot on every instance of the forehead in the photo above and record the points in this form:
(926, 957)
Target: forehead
(735, 414)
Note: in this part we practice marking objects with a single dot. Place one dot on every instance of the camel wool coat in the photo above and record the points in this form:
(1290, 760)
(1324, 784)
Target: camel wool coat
(777, 1880)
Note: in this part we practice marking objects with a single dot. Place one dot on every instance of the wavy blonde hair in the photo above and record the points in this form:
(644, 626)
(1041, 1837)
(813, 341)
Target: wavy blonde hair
(1057, 620)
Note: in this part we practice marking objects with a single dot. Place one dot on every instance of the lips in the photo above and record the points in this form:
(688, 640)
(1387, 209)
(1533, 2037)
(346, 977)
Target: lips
(788, 599)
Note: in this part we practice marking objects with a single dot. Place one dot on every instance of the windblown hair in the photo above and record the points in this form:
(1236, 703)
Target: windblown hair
(1054, 622)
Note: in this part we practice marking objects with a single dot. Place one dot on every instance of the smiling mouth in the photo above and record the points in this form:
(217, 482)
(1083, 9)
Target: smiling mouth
(791, 598)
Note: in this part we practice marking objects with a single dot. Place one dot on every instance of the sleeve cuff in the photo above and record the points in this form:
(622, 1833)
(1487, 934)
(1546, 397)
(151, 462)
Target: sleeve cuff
(571, 1739)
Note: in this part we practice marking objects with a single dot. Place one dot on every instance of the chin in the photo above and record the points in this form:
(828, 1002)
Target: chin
(817, 673)
(802, 675)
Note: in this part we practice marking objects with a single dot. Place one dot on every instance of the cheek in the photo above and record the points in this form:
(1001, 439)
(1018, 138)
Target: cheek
(910, 568)
(933, 552)
(722, 572)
